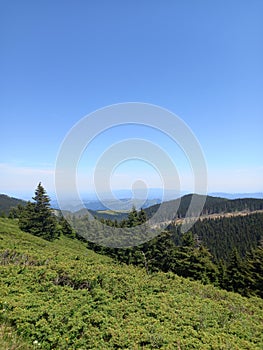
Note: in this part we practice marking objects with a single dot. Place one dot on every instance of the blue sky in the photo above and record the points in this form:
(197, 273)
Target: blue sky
(61, 60)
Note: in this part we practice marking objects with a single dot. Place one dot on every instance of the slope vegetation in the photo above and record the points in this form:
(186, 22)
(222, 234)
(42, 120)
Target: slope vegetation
(60, 295)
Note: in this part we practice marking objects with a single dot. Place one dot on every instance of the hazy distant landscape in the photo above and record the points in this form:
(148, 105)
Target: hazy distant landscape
(125, 202)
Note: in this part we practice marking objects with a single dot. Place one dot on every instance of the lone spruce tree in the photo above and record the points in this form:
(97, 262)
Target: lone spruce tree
(37, 217)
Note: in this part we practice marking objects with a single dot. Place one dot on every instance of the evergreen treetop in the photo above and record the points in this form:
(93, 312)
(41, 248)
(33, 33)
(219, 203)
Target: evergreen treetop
(37, 218)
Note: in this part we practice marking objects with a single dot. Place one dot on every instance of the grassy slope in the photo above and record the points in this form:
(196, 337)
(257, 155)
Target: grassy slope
(62, 296)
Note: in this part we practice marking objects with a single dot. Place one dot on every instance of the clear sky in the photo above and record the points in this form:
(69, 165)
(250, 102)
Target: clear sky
(61, 60)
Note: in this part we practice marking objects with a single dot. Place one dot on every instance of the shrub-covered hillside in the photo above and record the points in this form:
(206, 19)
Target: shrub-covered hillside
(60, 295)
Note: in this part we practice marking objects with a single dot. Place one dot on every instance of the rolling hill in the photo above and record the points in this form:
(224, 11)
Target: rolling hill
(60, 295)
(178, 208)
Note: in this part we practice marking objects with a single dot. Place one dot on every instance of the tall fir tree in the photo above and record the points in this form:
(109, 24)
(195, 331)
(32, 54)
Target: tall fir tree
(236, 274)
(133, 219)
(66, 228)
(37, 218)
(254, 263)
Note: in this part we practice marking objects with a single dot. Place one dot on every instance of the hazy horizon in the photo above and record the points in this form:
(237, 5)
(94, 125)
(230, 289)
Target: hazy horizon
(155, 193)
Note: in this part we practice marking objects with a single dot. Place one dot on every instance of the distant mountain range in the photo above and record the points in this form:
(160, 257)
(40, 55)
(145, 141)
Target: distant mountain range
(123, 201)
(258, 195)
(124, 204)
(166, 212)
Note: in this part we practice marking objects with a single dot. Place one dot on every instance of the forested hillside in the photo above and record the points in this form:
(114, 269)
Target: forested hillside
(178, 208)
(222, 235)
(226, 252)
(60, 295)
(7, 203)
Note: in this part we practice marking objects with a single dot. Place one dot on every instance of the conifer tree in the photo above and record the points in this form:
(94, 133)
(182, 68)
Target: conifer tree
(236, 274)
(66, 228)
(254, 263)
(37, 217)
(133, 219)
(142, 216)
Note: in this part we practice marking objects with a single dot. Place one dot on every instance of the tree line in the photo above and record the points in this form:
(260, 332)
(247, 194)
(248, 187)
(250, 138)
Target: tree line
(227, 252)
(222, 235)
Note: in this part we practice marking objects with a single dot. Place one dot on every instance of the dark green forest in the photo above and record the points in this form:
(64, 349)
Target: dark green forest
(204, 253)
(222, 235)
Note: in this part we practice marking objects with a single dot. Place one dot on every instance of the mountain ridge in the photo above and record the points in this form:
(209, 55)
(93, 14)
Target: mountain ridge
(7, 202)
